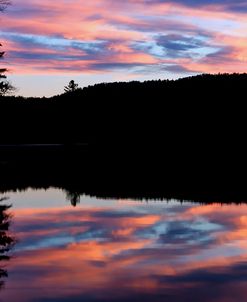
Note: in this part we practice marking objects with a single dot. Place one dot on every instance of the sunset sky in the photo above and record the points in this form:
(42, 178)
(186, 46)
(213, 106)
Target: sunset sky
(48, 43)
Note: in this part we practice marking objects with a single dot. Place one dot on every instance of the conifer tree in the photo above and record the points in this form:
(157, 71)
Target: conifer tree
(6, 241)
(71, 87)
(5, 86)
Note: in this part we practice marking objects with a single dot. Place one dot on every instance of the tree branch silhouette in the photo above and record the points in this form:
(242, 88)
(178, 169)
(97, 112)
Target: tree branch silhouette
(5, 86)
(6, 241)
(72, 87)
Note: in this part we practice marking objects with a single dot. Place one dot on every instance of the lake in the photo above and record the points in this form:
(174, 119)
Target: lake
(120, 250)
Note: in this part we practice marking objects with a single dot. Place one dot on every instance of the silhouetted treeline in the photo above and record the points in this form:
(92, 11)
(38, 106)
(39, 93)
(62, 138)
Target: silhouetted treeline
(183, 138)
(77, 174)
(153, 111)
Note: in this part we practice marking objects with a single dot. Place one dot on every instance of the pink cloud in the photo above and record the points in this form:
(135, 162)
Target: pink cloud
(40, 37)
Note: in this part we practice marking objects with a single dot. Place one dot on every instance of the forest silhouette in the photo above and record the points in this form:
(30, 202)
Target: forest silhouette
(180, 139)
(123, 112)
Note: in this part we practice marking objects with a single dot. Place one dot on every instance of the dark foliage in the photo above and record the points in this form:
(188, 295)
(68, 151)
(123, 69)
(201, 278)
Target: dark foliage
(150, 112)
(2, 75)
(77, 171)
(5, 86)
(6, 241)
(183, 138)
(72, 87)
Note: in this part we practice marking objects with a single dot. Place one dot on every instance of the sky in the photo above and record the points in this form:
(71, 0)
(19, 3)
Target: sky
(48, 43)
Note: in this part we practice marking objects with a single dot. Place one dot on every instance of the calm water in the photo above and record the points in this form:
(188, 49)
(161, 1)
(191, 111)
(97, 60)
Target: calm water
(108, 250)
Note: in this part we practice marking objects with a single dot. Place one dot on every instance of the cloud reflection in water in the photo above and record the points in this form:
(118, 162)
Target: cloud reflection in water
(135, 253)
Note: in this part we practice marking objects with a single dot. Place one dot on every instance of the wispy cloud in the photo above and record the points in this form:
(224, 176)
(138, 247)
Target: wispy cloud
(107, 36)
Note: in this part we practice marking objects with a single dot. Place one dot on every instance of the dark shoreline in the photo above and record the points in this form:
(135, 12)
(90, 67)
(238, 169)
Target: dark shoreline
(85, 170)
(183, 139)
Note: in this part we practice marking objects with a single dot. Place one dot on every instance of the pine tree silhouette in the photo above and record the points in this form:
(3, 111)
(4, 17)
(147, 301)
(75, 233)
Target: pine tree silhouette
(6, 241)
(5, 86)
(71, 87)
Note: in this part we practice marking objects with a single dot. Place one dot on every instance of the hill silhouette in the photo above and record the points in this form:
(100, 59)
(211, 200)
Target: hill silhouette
(183, 138)
(141, 112)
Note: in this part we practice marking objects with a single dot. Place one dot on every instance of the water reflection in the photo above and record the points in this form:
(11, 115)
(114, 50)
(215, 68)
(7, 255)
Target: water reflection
(6, 241)
(73, 197)
(119, 251)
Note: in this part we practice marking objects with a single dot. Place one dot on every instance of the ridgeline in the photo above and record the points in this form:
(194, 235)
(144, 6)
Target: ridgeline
(124, 111)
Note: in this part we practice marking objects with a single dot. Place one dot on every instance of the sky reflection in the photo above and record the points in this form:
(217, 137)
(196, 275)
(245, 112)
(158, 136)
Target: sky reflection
(118, 251)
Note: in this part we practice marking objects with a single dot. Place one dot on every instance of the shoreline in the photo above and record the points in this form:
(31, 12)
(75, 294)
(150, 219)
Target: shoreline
(81, 172)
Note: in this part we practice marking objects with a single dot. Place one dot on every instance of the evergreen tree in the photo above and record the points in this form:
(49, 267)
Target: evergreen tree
(6, 241)
(5, 86)
(71, 87)
(2, 70)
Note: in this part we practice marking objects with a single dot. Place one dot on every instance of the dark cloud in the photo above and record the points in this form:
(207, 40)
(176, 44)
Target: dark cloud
(113, 65)
(180, 69)
(178, 42)
(164, 68)
(176, 46)
(225, 54)
(239, 6)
